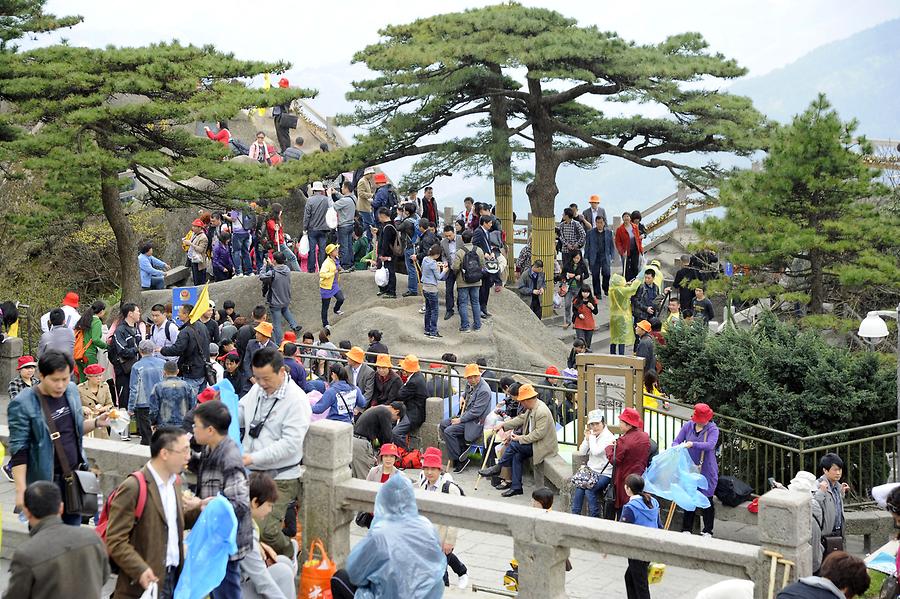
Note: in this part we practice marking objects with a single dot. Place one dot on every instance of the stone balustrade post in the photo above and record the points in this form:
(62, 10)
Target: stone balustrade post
(10, 351)
(542, 568)
(327, 452)
(784, 525)
(430, 431)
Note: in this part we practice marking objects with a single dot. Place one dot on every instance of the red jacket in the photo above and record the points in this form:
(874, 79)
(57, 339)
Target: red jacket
(276, 239)
(632, 450)
(223, 136)
(623, 241)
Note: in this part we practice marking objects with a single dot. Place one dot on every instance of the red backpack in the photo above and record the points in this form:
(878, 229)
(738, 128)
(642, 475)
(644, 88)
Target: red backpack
(410, 459)
(103, 521)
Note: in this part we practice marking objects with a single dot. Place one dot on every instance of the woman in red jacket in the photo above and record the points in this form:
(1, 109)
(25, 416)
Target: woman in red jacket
(584, 306)
(223, 136)
(629, 454)
(275, 233)
(629, 246)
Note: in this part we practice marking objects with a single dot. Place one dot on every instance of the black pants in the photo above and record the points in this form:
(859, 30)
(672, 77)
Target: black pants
(536, 305)
(326, 301)
(449, 289)
(198, 275)
(142, 415)
(708, 514)
(391, 287)
(484, 294)
(122, 388)
(586, 336)
(457, 566)
(283, 134)
(632, 265)
(636, 585)
(341, 587)
(600, 280)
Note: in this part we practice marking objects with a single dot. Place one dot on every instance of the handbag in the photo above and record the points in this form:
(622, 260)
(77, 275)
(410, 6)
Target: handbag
(81, 486)
(890, 588)
(585, 478)
(364, 519)
(832, 543)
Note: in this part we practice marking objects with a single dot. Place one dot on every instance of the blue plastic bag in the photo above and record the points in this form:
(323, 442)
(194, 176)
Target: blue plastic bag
(673, 475)
(212, 540)
(229, 397)
(401, 556)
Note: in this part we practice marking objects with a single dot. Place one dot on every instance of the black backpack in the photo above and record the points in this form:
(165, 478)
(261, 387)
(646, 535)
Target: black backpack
(445, 488)
(471, 266)
(732, 491)
(238, 147)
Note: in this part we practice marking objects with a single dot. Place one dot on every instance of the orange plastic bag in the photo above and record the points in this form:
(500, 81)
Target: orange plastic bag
(315, 577)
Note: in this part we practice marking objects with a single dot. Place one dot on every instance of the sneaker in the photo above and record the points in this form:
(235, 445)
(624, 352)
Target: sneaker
(476, 329)
(706, 534)
(339, 312)
(463, 582)
(486, 315)
(461, 464)
(448, 315)
(422, 310)
(328, 327)
(389, 296)
(427, 334)
(410, 294)
(125, 437)
(464, 330)
(298, 328)
(7, 472)
(380, 293)
(436, 334)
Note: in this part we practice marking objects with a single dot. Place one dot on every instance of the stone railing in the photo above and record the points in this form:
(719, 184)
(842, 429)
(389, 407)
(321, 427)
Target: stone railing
(542, 540)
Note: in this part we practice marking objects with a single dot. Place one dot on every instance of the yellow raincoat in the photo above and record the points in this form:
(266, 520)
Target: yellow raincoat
(621, 325)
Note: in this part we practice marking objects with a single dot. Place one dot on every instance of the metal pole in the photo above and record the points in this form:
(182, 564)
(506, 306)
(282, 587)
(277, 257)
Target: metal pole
(897, 448)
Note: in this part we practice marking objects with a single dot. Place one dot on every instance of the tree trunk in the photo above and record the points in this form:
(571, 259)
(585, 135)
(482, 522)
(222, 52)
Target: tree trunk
(501, 158)
(816, 282)
(542, 193)
(126, 241)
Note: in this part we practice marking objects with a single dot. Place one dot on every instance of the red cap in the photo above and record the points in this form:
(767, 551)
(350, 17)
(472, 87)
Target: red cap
(283, 82)
(206, 395)
(197, 223)
(552, 370)
(93, 369)
(432, 459)
(290, 336)
(702, 413)
(631, 416)
(25, 361)
(380, 178)
(71, 299)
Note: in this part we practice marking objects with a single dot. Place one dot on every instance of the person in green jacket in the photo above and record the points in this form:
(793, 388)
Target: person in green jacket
(621, 328)
(363, 252)
(90, 325)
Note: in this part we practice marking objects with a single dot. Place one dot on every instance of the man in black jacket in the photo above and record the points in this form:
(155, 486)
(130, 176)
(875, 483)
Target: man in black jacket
(123, 352)
(246, 332)
(387, 234)
(192, 349)
(480, 240)
(413, 395)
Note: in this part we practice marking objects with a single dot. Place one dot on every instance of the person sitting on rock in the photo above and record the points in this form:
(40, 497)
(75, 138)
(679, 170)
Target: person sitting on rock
(537, 441)
(413, 394)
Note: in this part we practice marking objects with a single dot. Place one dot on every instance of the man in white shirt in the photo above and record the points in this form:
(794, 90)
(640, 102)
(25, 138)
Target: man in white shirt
(148, 548)
(361, 373)
(69, 308)
(164, 332)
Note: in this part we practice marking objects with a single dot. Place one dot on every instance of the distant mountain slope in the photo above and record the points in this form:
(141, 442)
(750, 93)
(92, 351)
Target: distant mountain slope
(859, 74)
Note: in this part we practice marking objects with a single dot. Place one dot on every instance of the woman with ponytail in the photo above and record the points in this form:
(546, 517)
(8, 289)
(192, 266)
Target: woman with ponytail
(642, 509)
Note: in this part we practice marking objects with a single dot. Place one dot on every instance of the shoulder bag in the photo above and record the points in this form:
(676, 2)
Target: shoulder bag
(81, 486)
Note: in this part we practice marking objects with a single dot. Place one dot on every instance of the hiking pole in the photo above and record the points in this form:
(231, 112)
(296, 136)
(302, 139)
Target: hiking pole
(501, 592)
(670, 516)
(773, 569)
(788, 564)
(487, 452)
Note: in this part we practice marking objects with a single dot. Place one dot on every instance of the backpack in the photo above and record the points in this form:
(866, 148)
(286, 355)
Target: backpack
(103, 521)
(80, 346)
(393, 200)
(732, 491)
(471, 266)
(410, 460)
(248, 221)
(238, 148)
(397, 246)
(654, 451)
(445, 488)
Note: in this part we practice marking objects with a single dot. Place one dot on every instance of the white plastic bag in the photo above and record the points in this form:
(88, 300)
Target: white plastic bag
(381, 276)
(331, 218)
(303, 248)
(151, 592)
(120, 424)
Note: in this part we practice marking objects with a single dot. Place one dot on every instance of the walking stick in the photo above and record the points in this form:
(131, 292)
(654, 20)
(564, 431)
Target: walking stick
(788, 564)
(670, 516)
(487, 452)
(774, 567)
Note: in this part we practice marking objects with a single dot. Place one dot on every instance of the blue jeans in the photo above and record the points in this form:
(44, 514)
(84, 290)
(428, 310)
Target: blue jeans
(514, 456)
(240, 252)
(617, 349)
(290, 258)
(197, 385)
(412, 280)
(345, 240)
(368, 222)
(316, 249)
(431, 312)
(277, 314)
(593, 497)
(465, 296)
(230, 587)
(156, 282)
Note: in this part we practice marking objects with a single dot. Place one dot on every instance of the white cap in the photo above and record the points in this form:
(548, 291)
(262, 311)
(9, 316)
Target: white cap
(595, 416)
(318, 186)
(370, 170)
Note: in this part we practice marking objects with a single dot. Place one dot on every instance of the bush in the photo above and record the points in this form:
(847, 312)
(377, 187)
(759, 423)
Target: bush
(779, 376)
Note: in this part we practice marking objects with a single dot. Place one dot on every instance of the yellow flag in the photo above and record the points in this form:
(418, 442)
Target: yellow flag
(201, 306)
(13, 329)
(267, 85)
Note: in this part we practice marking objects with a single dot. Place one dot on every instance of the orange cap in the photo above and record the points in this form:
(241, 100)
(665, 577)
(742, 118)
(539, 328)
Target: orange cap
(410, 363)
(383, 361)
(264, 328)
(356, 354)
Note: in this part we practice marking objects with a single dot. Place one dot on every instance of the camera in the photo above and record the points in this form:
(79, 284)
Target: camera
(255, 429)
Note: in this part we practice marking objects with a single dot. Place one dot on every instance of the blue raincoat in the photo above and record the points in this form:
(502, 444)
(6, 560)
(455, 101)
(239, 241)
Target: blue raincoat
(673, 475)
(401, 556)
(212, 540)
(229, 397)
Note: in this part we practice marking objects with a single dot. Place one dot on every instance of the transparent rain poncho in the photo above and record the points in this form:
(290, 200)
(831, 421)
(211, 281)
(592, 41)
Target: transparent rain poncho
(212, 540)
(401, 556)
(673, 475)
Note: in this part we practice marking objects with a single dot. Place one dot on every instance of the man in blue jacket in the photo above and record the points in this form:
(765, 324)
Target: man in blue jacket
(599, 249)
(33, 455)
(152, 268)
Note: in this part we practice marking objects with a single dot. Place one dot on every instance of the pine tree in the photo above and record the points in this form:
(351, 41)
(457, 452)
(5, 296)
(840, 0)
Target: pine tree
(806, 225)
(88, 115)
(568, 71)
